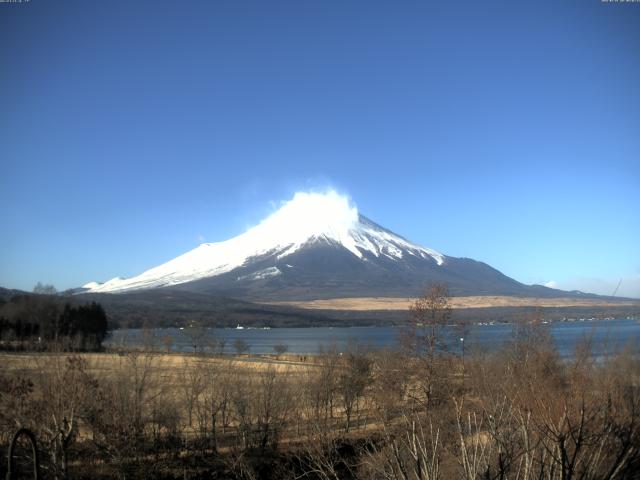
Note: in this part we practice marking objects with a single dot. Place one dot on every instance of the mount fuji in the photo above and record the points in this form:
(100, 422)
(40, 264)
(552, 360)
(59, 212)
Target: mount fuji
(317, 245)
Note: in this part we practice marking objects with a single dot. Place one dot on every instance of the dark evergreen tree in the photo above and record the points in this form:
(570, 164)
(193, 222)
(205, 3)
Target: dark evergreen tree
(42, 319)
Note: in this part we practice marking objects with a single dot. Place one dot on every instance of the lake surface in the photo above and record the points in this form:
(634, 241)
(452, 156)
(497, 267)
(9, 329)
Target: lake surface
(606, 336)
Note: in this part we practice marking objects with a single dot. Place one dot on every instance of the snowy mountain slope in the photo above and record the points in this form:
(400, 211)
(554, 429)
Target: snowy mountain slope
(318, 246)
(309, 218)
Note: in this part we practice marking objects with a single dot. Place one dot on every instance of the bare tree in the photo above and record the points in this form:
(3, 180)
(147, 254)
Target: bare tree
(167, 341)
(427, 316)
(66, 389)
(197, 336)
(280, 349)
(354, 378)
(410, 453)
(149, 339)
(121, 409)
(321, 386)
(192, 385)
(423, 338)
(241, 402)
(240, 346)
(213, 402)
(474, 444)
(461, 336)
(222, 343)
(272, 401)
(390, 382)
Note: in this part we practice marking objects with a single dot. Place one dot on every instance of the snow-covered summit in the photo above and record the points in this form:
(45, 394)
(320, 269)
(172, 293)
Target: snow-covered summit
(306, 219)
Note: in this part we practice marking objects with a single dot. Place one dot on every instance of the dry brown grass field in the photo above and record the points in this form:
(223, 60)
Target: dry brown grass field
(402, 304)
(163, 364)
(360, 415)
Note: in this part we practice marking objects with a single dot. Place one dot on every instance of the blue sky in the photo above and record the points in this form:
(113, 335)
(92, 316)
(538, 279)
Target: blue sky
(508, 132)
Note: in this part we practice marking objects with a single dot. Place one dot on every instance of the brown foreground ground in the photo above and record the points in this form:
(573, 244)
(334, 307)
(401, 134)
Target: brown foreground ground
(522, 413)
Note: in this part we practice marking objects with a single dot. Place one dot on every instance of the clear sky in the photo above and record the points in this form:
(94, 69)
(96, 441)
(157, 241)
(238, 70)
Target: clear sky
(508, 132)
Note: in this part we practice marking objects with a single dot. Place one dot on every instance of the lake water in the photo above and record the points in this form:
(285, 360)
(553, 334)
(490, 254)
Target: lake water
(606, 336)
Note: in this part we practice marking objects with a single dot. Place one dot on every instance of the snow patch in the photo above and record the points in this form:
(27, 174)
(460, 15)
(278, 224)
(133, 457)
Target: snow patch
(261, 274)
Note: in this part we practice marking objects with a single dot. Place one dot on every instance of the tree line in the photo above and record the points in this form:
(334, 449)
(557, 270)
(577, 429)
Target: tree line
(46, 320)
